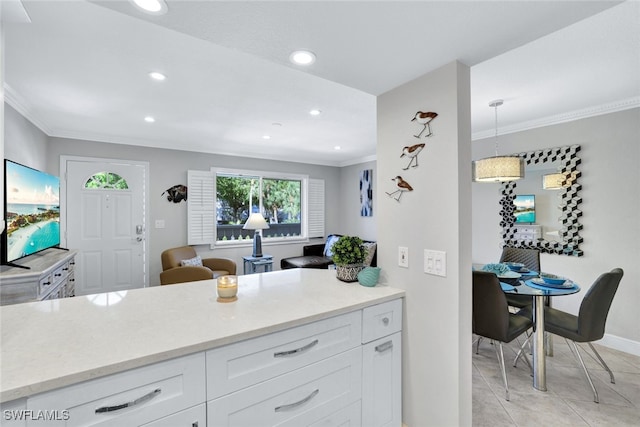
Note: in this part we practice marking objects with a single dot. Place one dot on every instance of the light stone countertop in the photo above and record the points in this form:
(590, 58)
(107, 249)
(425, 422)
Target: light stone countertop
(51, 344)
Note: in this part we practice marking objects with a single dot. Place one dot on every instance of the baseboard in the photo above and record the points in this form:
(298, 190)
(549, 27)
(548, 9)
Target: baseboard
(622, 344)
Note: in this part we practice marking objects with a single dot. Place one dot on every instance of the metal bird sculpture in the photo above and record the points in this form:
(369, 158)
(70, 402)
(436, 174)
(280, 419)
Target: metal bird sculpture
(425, 120)
(412, 152)
(401, 187)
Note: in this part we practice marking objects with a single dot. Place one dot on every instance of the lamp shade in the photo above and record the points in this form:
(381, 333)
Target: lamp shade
(552, 181)
(498, 168)
(255, 222)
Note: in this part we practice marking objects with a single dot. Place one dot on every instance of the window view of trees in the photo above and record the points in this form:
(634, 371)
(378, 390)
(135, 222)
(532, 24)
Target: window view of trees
(279, 201)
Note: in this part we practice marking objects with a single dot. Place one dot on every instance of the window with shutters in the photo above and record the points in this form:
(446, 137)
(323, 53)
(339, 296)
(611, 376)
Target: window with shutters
(292, 205)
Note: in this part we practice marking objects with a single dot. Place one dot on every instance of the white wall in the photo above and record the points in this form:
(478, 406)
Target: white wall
(611, 206)
(25, 143)
(436, 215)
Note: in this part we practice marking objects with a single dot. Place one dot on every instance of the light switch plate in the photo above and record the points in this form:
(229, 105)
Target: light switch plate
(159, 223)
(435, 262)
(403, 256)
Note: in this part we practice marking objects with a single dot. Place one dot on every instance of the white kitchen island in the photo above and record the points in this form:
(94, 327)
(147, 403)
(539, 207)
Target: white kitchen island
(297, 346)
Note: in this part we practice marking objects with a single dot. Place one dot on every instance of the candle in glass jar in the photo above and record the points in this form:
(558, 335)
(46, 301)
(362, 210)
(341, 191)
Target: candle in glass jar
(227, 286)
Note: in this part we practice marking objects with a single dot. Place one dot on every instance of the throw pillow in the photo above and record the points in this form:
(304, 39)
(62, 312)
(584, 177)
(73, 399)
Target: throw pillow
(328, 246)
(195, 261)
(370, 248)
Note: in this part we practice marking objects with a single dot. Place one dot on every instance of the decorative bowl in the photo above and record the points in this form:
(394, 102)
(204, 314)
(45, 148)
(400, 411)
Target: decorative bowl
(369, 276)
(514, 266)
(552, 279)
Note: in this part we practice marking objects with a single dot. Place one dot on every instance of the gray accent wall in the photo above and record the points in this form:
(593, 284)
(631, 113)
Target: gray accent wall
(610, 152)
(28, 145)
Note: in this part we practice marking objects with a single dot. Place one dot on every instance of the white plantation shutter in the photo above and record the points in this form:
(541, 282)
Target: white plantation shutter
(201, 207)
(316, 208)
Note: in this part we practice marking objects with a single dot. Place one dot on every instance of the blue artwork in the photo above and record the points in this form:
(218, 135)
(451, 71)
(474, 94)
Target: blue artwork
(366, 192)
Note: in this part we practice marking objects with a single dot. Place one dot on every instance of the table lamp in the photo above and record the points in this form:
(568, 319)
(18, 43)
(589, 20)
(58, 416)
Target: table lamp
(256, 222)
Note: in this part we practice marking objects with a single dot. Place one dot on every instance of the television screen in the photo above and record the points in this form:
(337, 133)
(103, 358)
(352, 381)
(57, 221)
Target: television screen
(525, 211)
(32, 211)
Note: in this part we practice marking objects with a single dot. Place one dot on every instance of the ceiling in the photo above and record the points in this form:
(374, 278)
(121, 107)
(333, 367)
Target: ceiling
(80, 69)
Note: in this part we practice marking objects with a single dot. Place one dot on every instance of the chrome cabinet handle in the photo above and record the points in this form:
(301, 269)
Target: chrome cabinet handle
(146, 397)
(298, 403)
(384, 346)
(297, 350)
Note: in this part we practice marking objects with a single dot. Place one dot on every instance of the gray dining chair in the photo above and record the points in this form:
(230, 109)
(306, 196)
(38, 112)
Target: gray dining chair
(531, 260)
(589, 324)
(492, 319)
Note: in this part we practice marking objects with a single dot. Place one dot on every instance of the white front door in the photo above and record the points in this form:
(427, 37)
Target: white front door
(104, 220)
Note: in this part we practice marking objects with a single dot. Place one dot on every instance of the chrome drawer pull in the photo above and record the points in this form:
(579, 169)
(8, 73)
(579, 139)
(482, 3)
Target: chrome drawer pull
(138, 401)
(293, 405)
(384, 347)
(297, 350)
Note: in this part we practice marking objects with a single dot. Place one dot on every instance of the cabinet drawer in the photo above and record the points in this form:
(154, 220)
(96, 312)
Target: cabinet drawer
(295, 399)
(349, 416)
(192, 417)
(129, 398)
(381, 320)
(242, 364)
(45, 284)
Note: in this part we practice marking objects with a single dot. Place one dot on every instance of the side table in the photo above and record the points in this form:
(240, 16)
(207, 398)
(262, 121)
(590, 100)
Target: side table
(253, 263)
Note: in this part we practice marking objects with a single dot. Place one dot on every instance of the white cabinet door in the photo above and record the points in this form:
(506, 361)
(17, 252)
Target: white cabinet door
(381, 382)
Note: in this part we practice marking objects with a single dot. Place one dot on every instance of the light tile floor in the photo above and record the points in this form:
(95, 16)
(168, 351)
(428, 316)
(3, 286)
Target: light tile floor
(569, 399)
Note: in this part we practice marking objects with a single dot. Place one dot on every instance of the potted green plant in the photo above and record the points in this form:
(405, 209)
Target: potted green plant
(348, 255)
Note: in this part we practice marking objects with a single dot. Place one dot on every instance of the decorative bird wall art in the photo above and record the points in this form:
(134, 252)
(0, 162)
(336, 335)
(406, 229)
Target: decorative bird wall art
(176, 194)
(425, 120)
(412, 152)
(402, 186)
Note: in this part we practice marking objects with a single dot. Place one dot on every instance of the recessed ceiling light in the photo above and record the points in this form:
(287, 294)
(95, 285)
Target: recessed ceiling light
(157, 76)
(154, 7)
(337, 147)
(302, 57)
(315, 112)
(266, 137)
(149, 119)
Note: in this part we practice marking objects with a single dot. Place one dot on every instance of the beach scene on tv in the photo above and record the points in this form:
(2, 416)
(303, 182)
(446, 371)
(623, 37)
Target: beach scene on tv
(32, 211)
(525, 208)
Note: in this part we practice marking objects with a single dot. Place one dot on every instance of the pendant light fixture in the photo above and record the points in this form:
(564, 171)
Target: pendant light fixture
(498, 168)
(552, 181)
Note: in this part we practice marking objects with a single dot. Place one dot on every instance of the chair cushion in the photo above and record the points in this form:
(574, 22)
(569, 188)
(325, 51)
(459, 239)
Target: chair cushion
(328, 246)
(370, 248)
(195, 261)
(563, 324)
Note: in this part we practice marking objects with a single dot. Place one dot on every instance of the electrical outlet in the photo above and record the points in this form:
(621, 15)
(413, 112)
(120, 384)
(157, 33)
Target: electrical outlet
(159, 223)
(403, 256)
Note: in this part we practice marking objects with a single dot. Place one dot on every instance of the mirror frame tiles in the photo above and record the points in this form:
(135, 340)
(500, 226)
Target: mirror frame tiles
(570, 200)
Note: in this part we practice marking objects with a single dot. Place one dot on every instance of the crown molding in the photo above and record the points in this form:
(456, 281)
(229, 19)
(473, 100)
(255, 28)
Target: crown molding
(352, 162)
(612, 107)
(22, 106)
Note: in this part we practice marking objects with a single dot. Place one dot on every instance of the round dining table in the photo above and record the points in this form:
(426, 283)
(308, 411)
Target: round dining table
(530, 284)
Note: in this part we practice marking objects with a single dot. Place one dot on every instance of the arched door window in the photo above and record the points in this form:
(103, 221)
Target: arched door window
(106, 180)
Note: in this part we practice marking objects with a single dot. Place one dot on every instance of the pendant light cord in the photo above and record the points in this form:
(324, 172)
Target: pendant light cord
(495, 104)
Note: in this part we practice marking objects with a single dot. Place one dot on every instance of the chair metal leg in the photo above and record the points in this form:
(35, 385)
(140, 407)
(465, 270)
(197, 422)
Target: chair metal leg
(584, 368)
(500, 355)
(478, 344)
(522, 353)
(602, 363)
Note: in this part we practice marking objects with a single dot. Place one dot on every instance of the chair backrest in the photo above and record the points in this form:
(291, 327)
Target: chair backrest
(529, 257)
(172, 257)
(595, 305)
(490, 308)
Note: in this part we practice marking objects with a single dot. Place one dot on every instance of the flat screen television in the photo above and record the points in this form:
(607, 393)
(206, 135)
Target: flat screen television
(525, 211)
(31, 211)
